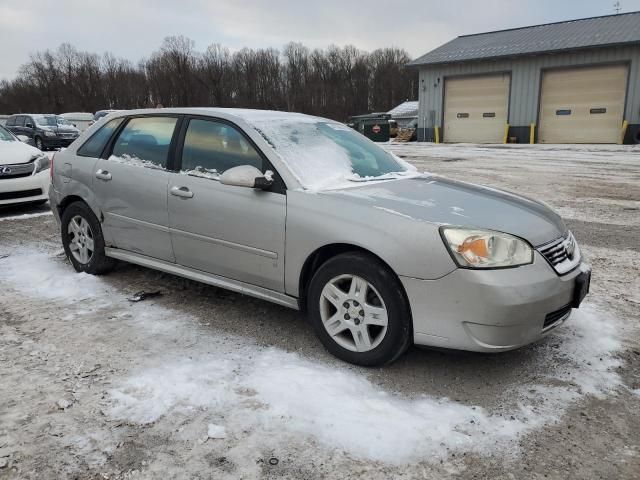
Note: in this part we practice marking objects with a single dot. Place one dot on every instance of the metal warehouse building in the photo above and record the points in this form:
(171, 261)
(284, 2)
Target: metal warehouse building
(569, 82)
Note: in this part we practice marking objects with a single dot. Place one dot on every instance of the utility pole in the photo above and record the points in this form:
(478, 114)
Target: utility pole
(617, 7)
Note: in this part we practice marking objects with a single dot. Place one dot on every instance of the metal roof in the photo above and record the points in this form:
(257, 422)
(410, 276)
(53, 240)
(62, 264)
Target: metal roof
(405, 110)
(610, 30)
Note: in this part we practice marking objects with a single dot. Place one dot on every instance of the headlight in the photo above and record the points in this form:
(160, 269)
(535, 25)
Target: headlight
(49, 133)
(471, 248)
(42, 162)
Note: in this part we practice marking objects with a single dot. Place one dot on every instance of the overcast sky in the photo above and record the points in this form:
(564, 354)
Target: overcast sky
(135, 28)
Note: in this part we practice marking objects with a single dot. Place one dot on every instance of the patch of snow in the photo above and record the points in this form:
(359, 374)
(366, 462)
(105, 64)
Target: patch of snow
(338, 408)
(25, 216)
(216, 431)
(588, 339)
(134, 161)
(38, 274)
(199, 171)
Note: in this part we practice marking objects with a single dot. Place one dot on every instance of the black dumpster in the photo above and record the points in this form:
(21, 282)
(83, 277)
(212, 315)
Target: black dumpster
(374, 126)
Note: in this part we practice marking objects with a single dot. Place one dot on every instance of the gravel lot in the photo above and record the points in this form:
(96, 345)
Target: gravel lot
(95, 386)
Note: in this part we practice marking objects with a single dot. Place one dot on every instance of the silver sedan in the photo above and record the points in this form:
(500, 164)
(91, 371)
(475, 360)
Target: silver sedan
(307, 213)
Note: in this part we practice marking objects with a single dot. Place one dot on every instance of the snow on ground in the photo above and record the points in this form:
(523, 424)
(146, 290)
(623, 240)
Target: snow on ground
(24, 216)
(281, 397)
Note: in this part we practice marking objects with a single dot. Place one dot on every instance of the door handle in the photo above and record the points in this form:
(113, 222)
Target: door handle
(182, 192)
(103, 175)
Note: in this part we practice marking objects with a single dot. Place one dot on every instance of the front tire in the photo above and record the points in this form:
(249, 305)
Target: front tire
(359, 311)
(83, 241)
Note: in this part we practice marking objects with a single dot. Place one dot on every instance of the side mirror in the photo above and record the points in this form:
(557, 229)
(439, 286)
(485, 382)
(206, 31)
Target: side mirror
(246, 176)
(23, 138)
(29, 125)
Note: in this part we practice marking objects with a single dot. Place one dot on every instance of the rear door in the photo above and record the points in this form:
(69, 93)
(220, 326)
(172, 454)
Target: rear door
(231, 231)
(131, 186)
(18, 126)
(11, 125)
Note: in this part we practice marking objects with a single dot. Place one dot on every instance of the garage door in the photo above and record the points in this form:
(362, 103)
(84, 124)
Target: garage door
(583, 105)
(475, 109)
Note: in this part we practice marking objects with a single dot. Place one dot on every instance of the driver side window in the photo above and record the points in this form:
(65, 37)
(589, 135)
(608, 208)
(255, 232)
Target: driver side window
(212, 147)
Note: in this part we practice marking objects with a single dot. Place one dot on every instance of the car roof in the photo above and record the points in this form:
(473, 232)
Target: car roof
(246, 114)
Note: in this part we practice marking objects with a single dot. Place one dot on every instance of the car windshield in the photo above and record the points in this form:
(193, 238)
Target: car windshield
(46, 121)
(62, 121)
(324, 154)
(5, 136)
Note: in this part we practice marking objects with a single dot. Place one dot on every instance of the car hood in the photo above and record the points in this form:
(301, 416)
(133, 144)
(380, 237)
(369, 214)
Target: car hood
(448, 202)
(16, 152)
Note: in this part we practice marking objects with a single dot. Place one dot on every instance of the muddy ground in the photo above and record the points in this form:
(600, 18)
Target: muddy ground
(95, 386)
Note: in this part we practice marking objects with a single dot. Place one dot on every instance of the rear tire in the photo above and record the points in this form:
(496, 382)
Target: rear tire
(39, 144)
(358, 310)
(83, 241)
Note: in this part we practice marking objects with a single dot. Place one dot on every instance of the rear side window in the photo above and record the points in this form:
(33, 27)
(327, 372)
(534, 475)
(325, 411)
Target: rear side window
(213, 147)
(95, 145)
(20, 121)
(11, 122)
(145, 141)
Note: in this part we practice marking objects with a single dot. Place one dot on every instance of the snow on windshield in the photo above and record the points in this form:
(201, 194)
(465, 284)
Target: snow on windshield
(323, 154)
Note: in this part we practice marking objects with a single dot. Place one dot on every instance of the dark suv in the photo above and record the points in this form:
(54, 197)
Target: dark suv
(44, 130)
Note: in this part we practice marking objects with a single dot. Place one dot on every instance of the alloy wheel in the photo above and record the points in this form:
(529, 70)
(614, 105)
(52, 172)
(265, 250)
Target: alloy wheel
(353, 313)
(81, 242)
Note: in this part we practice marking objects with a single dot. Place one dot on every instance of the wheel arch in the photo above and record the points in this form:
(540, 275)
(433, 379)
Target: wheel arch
(68, 200)
(73, 198)
(322, 254)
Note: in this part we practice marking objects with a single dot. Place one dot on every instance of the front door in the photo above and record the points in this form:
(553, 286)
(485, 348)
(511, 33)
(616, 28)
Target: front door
(131, 187)
(234, 232)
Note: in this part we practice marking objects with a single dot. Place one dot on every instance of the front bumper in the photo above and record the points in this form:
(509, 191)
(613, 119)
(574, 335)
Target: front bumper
(33, 188)
(57, 142)
(491, 310)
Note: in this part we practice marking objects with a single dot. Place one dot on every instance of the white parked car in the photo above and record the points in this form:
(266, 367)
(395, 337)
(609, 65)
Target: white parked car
(24, 171)
(80, 120)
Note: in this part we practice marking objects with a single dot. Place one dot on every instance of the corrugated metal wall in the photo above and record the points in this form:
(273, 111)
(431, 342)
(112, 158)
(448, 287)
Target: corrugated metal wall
(525, 81)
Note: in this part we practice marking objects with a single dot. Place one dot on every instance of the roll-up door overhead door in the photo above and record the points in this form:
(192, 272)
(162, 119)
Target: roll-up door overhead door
(583, 105)
(476, 108)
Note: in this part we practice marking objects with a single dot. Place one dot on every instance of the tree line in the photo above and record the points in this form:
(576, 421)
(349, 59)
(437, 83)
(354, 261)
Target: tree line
(335, 82)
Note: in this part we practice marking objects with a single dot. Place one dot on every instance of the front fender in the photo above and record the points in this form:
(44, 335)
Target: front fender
(411, 247)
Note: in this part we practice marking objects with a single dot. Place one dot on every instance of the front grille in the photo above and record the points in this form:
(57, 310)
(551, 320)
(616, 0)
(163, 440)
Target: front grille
(555, 317)
(16, 171)
(20, 194)
(563, 254)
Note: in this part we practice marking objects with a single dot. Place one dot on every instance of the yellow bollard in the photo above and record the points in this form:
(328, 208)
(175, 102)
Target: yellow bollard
(506, 133)
(437, 134)
(532, 134)
(625, 124)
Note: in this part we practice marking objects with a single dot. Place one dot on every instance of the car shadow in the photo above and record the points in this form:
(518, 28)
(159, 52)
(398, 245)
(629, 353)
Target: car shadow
(20, 209)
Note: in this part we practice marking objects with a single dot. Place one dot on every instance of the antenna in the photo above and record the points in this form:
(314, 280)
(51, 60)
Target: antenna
(617, 7)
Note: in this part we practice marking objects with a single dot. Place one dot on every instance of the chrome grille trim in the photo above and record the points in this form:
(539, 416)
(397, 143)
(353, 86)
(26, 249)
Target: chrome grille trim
(562, 254)
(16, 171)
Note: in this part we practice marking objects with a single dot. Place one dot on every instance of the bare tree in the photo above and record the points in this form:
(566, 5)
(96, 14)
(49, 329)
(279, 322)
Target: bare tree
(335, 82)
